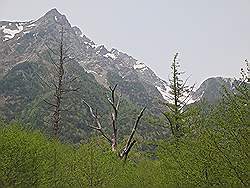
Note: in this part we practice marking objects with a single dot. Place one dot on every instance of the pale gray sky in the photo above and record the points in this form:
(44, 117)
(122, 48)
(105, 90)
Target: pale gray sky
(212, 36)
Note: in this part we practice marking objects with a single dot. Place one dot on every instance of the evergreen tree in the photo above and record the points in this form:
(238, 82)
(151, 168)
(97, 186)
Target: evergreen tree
(179, 96)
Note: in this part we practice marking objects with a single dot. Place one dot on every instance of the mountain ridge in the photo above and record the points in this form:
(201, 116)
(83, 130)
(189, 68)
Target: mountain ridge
(24, 52)
(106, 60)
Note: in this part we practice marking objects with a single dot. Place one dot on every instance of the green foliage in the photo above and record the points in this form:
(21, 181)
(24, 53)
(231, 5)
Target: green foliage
(25, 92)
(179, 95)
(215, 151)
(20, 86)
(28, 159)
(212, 152)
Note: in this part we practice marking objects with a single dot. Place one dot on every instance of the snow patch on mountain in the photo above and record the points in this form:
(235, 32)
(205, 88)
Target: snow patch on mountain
(92, 44)
(31, 25)
(163, 92)
(10, 33)
(90, 71)
(196, 99)
(164, 89)
(110, 55)
(140, 66)
(26, 32)
(100, 49)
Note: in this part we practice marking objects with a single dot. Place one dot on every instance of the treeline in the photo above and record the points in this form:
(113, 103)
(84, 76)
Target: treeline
(208, 145)
(213, 151)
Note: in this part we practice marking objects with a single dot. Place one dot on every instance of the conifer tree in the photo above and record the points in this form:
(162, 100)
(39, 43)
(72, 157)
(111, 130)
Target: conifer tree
(179, 96)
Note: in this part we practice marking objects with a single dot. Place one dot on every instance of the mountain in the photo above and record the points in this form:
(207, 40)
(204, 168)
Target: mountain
(24, 55)
(212, 89)
(22, 41)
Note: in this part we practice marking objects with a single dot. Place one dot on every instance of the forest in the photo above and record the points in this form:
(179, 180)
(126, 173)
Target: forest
(208, 145)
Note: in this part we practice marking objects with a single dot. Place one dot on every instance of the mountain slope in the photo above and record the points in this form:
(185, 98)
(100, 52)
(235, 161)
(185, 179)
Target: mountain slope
(212, 89)
(23, 41)
(24, 52)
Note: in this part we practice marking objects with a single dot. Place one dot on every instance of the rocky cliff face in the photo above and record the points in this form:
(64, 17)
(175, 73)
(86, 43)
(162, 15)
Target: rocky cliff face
(25, 41)
(23, 49)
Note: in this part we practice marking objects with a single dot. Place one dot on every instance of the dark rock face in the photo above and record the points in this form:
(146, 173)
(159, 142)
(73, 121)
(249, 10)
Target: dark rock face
(23, 50)
(24, 41)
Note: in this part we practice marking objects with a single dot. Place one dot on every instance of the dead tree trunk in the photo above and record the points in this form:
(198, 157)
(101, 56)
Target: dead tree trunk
(58, 83)
(130, 143)
(59, 89)
(114, 114)
(113, 139)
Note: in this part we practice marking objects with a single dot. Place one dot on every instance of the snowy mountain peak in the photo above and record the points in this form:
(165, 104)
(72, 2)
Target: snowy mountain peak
(54, 17)
(22, 41)
(109, 67)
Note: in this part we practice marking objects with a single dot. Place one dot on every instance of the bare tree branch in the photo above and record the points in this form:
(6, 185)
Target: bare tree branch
(53, 51)
(49, 103)
(113, 140)
(98, 124)
(70, 90)
(129, 143)
(128, 150)
(114, 116)
(170, 122)
(43, 81)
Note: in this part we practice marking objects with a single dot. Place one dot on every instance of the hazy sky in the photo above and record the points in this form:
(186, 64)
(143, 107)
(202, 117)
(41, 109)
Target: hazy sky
(212, 36)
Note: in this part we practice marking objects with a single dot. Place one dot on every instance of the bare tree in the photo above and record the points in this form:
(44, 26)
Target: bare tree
(113, 139)
(60, 84)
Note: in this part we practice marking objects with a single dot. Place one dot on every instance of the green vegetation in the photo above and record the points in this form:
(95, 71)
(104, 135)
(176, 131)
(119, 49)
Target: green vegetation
(24, 103)
(179, 96)
(213, 152)
(201, 145)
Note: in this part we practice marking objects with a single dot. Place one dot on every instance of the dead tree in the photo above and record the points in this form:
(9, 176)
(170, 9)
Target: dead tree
(58, 83)
(113, 139)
